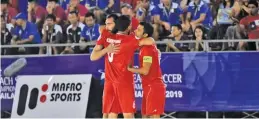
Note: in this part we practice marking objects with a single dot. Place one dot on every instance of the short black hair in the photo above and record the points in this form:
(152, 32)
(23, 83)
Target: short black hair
(51, 16)
(74, 12)
(90, 14)
(122, 23)
(114, 16)
(179, 26)
(56, 1)
(4, 1)
(148, 28)
(32, 1)
(254, 2)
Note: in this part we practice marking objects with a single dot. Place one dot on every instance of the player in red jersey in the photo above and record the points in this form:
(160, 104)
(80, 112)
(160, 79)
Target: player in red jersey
(118, 95)
(153, 87)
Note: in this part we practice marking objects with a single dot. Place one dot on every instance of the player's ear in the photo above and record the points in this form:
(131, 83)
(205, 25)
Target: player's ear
(145, 35)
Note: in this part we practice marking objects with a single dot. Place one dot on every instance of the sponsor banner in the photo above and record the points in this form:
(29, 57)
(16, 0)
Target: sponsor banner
(194, 81)
(51, 96)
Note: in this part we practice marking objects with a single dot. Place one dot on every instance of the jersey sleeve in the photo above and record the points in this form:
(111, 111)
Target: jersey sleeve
(102, 37)
(147, 53)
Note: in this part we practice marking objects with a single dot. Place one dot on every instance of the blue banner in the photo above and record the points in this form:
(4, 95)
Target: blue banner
(194, 81)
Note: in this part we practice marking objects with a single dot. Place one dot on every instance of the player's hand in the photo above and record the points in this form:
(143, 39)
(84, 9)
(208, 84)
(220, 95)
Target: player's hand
(129, 68)
(113, 48)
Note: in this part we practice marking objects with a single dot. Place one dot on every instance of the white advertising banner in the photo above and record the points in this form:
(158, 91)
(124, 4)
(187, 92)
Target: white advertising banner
(51, 96)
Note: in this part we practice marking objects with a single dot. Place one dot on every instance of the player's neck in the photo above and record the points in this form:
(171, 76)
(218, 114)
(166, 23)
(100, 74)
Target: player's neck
(122, 32)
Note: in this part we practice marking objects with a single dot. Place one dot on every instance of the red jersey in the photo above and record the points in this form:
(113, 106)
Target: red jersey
(150, 54)
(116, 64)
(252, 24)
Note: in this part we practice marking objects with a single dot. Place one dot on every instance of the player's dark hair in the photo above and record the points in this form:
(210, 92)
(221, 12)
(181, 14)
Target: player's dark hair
(90, 14)
(148, 28)
(114, 16)
(122, 23)
(51, 16)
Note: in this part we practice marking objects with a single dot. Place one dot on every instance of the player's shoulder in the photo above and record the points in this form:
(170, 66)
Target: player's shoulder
(148, 48)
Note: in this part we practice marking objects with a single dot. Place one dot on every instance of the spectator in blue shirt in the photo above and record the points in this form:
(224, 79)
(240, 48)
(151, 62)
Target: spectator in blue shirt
(26, 33)
(168, 13)
(198, 14)
(145, 11)
(103, 4)
(90, 31)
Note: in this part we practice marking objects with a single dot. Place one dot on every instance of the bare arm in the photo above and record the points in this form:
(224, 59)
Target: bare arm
(99, 51)
(30, 39)
(147, 41)
(143, 70)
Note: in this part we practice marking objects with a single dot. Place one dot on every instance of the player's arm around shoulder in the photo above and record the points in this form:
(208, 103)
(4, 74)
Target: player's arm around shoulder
(147, 62)
(99, 51)
(147, 41)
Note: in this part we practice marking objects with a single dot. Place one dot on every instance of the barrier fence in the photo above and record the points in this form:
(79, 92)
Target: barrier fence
(195, 81)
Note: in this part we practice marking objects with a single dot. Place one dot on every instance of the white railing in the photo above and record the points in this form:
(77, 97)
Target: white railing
(49, 51)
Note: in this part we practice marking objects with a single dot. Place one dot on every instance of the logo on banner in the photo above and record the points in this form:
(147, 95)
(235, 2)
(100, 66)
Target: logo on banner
(7, 87)
(51, 93)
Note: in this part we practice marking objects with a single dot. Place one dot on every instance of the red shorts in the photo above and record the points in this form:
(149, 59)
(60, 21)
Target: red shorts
(153, 101)
(118, 98)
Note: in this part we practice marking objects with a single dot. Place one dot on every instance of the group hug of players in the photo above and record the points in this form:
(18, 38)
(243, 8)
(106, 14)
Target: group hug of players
(118, 45)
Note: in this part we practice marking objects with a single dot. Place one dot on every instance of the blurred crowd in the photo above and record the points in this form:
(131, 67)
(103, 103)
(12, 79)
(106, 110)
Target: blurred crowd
(79, 21)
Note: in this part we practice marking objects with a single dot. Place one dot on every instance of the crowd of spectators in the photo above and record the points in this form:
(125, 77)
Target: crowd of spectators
(79, 21)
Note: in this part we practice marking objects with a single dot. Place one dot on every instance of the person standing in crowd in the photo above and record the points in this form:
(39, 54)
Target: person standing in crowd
(6, 37)
(90, 31)
(198, 14)
(126, 9)
(250, 26)
(110, 6)
(53, 8)
(52, 33)
(36, 13)
(26, 33)
(74, 5)
(153, 100)
(8, 12)
(178, 35)
(167, 13)
(73, 33)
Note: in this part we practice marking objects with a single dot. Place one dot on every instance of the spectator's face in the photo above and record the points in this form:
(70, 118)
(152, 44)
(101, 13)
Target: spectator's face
(125, 11)
(2, 23)
(166, 2)
(74, 3)
(198, 33)
(50, 22)
(109, 24)
(175, 31)
(31, 4)
(19, 22)
(139, 32)
(73, 19)
(3, 7)
(89, 21)
(52, 4)
(253, 9)
(146, 4)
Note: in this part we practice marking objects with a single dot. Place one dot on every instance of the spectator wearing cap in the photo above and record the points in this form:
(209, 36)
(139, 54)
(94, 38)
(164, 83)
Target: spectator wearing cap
(80, 9)
(8, 12)
(250, 26)
(90, 31)
(198, 13)
(26, 33)
(52, 33)
(126, 9)
(55, 9)
(167, 13)
(36, 13)
(74, 33)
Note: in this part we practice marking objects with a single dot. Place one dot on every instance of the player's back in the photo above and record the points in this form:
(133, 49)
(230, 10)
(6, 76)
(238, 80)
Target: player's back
(150, 54)
(116, 64)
